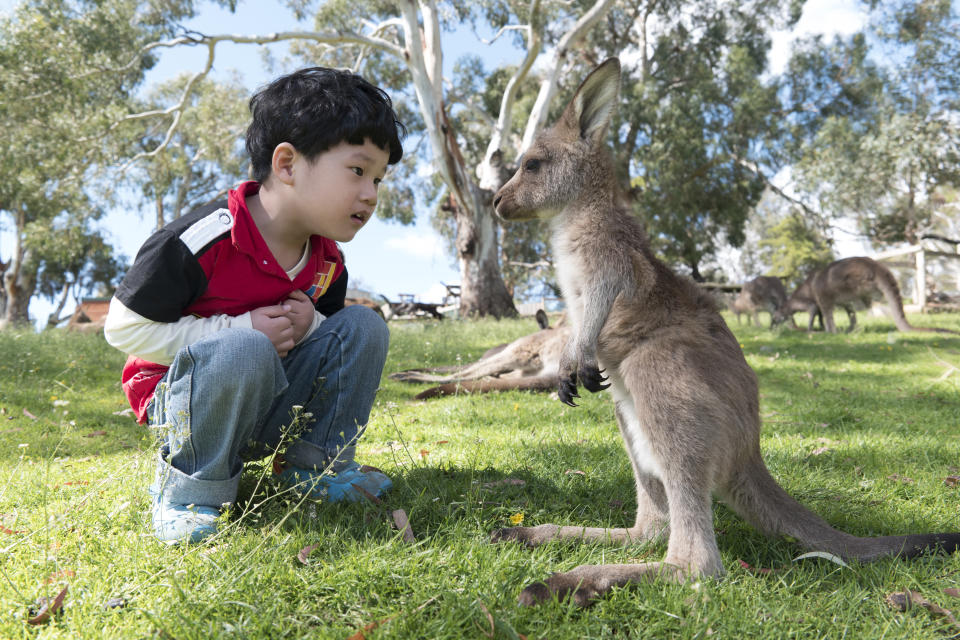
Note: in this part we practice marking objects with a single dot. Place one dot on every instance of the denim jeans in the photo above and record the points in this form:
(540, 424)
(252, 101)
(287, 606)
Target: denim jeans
(228, 397)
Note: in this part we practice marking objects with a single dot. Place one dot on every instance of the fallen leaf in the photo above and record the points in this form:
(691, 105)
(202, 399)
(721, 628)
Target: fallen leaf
(424, 453)
(403, 524)
(904, 600)
(442, 441)
(124, 412)
(951, 481)
(94, 434)
(820, 451)
(10, 532)
(896, 477)
(493, 626)
(30, 415)
(366, 494)
(747, 566)
(47, 608)
(115, 603)
(826, 556)
(952, 591)
(75, 482)
(303, 553)
(574, 472)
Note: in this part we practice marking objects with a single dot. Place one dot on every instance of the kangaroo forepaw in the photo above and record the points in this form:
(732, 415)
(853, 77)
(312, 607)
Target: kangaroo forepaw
(592, 379)
(564, 586)
(567, 389)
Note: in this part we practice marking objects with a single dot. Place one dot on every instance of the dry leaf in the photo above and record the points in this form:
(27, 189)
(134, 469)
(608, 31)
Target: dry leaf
(493, 627)
(574, 472)
(94, 434)
(424, 453)
(403, 524)
(754, 569)
(48, 608)
(820, 451)
(823, 554)
(442, 441)
(10, 532)
(952, 591)
(903, 600)
(30, 415)
(951, 481)
(366, 494)
(302, 555)
(896, 477)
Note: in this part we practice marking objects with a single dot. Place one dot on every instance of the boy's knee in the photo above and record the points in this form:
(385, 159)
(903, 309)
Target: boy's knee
(235, 351)
(367, 324)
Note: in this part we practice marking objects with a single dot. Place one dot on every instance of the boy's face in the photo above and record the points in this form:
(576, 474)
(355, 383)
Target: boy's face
(336, 192)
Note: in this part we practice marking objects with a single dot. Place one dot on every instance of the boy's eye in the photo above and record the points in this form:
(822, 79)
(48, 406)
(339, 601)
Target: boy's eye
(377, 181)
(357, 170)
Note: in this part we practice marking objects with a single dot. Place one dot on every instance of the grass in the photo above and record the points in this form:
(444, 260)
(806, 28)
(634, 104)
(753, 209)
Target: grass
(863, 428)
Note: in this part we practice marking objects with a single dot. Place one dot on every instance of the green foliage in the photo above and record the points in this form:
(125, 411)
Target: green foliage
(793, 248)
(859, 427)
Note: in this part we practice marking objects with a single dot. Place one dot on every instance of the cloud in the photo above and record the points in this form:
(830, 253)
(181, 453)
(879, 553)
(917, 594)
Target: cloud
(828, 17)
(425, 246)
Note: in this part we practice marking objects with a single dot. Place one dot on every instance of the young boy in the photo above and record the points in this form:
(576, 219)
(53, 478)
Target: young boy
(234, 314)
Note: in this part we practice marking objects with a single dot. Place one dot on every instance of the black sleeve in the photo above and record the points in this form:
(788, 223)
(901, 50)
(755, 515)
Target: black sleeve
(332, 301)
(164, 279)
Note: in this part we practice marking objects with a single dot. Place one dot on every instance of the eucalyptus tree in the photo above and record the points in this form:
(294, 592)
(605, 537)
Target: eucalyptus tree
(890, 157)
(203, 156)
(66, 77)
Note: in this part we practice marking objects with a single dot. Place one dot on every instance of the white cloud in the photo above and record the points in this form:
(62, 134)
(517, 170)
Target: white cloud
(426, 246)
(828, 17)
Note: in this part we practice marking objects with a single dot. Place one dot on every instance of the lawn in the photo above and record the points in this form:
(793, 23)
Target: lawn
(862, 428)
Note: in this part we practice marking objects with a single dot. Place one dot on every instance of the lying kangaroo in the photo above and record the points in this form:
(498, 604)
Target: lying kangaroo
(855, 282)
(686, 400)
(763, 292)
(528, 363)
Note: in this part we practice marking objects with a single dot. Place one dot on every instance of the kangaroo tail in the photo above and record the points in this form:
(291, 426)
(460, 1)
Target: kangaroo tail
(888, 286)
(539, 383)
(757, 497)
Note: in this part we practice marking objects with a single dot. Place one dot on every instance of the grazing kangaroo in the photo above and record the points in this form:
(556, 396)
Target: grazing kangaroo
(800, 300)
(763, 292)
(686, 400)
(857, 282)
(528, 363)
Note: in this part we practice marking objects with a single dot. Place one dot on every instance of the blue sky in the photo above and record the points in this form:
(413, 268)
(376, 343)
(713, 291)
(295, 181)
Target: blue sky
(386, 258)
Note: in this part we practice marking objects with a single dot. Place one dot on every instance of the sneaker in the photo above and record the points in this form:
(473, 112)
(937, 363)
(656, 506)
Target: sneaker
(175, 523)
(339, 486)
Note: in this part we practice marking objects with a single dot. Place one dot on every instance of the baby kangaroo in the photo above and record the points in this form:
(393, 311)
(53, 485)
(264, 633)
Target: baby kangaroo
(686, 399)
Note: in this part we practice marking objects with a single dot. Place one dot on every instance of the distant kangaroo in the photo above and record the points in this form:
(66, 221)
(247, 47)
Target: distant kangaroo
(686, 400)
(854, 282)
(800, 300)
(529, 362)
(763, 292)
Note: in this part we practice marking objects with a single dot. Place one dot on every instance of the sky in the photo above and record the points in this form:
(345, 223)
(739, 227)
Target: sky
(386, 258)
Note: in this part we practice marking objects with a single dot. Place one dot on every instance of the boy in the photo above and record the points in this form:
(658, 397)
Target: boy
(234, 314)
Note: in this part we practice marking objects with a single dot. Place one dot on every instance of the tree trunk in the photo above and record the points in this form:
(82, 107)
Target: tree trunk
(19, 282)
(482, 290)
(54, 318)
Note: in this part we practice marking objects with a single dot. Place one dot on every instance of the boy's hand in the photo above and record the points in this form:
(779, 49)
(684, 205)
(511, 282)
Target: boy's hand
(300, 314)
(274, 323)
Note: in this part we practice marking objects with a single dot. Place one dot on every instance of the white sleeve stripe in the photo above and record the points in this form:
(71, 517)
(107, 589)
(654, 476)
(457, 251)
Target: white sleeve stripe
(202, 232)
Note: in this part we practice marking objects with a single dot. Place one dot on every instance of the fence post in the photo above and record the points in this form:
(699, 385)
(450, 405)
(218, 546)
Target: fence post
(921, 282)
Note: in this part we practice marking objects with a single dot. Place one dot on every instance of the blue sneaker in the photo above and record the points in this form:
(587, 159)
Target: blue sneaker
(339, 486)
(186, 523)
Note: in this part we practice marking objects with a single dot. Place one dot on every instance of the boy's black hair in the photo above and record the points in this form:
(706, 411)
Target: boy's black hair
(315, 109)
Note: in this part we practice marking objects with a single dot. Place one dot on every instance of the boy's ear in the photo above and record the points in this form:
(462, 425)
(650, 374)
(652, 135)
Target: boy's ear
(281, 164)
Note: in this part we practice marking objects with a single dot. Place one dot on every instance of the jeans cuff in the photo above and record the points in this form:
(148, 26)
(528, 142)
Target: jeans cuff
(179, 488)
(306, 455)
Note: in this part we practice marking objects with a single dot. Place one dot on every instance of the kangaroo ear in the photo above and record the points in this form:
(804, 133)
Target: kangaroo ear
(593, 104)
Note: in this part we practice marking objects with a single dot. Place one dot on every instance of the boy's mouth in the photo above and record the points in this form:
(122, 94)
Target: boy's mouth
(358, 218)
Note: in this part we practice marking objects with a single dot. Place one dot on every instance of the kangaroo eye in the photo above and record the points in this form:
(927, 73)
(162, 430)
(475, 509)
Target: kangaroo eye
(531, 165)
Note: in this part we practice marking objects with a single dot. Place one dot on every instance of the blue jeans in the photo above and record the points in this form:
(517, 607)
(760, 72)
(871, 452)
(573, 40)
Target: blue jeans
(228, 397)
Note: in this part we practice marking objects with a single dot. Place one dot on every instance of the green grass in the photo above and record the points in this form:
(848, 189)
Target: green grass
(842, 414)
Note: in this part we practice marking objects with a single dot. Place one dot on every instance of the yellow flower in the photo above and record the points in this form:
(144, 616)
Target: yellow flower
(516, 519)
(516, 406)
